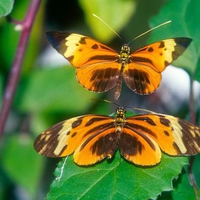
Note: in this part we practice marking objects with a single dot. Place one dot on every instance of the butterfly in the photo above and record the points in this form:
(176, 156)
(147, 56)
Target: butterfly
(139, 138)
(100, 68)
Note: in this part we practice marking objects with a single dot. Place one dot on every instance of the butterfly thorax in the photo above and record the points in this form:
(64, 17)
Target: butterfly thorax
(124, 55)
(120, 119)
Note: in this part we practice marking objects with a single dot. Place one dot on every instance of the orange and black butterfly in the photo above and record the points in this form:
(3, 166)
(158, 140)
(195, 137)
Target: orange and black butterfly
(139, 138)
(100, 68)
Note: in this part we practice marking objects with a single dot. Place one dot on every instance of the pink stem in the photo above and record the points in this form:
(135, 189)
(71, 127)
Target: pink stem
(17, 63)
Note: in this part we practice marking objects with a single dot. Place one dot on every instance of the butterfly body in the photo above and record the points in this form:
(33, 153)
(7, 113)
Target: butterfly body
(139, 138)
(100, 68)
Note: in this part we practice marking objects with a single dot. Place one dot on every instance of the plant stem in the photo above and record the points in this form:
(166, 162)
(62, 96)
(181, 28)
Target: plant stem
(15, 71)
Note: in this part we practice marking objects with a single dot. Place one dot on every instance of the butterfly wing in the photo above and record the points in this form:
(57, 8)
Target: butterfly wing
(79, 50)
(96, 65)
(91, 138)
(143, 73)
(138, 148)
(174, 137)
(99, 77)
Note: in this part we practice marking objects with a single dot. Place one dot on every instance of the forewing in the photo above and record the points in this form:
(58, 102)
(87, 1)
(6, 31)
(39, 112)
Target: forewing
(80, 50)
(174, 136)
(160, 54)
(143, 72)
(55, 141)
(91, 137)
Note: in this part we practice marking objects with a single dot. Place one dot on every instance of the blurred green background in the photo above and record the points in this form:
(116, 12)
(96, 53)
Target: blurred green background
(48, 91)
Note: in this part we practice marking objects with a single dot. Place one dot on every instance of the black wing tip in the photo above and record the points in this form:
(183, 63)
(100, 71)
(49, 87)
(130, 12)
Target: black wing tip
(183, 41)
(56, 37)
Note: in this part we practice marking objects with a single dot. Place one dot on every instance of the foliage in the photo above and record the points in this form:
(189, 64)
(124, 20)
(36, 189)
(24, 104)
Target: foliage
(185, 27)
(6, 7)
(116, 180)
(48, 92)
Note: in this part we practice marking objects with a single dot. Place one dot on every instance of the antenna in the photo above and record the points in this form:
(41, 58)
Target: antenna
(107, 101)
(107, 25)
(164, 23)
(144, 110)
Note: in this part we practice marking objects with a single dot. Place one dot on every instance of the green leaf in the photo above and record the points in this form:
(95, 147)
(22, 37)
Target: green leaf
(196, 169)
(109, 11)
(185, 19)
(6, 7)
(21, 162)
(48, 90)
(184, 191)
(117, 179)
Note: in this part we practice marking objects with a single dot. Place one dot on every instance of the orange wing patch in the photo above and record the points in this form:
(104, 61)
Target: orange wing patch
(139, 139)
(81, 51)
(100, 68)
